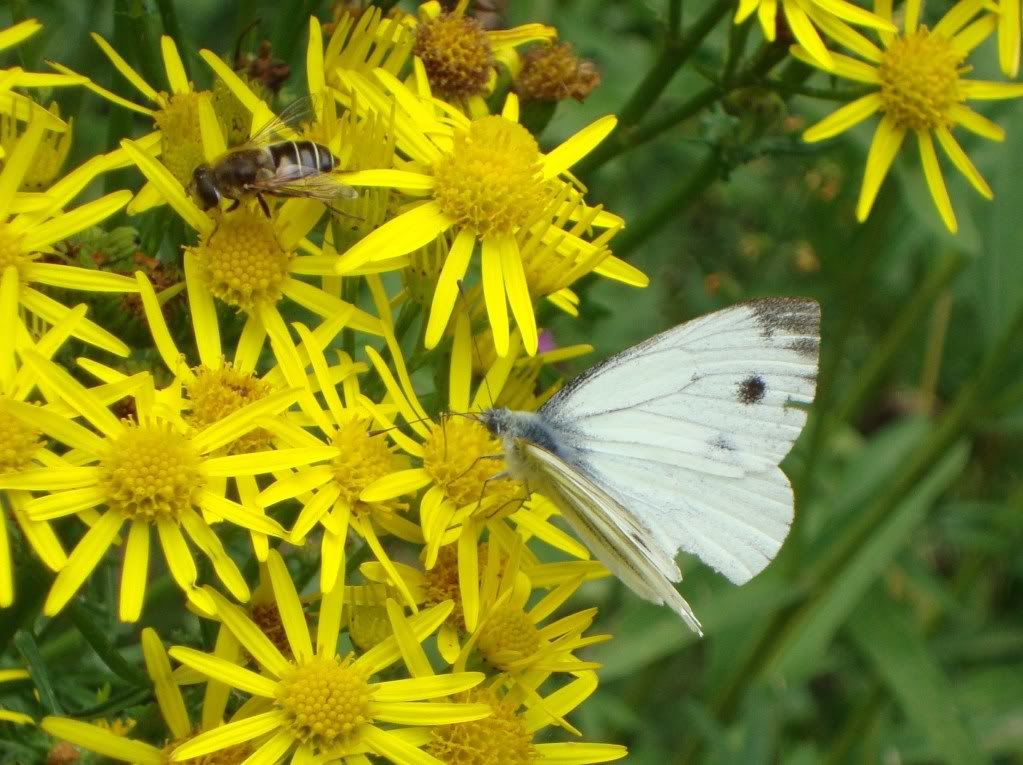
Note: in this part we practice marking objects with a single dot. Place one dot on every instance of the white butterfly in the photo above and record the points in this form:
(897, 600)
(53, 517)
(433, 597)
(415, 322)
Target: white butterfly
(675, 444)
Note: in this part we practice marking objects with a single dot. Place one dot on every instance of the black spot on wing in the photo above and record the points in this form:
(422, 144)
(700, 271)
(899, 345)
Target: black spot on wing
(751, 390)
(797, 316)
(721, 442)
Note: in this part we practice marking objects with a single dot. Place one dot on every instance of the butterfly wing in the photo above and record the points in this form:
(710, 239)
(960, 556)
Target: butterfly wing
(618, 538)
(686, 430)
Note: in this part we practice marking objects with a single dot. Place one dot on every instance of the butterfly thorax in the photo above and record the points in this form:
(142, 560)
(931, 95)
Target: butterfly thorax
(514, 428)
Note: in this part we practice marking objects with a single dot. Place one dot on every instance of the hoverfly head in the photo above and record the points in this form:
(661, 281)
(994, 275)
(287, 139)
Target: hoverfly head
(203, 187)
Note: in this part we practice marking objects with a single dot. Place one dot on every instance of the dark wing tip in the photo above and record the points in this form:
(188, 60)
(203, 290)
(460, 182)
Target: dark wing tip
(794, 315)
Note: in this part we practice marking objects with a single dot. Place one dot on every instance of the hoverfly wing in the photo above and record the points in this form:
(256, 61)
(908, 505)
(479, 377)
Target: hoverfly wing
(286, 125)
(302, 181)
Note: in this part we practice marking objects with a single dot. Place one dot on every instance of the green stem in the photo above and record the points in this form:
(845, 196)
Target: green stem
(668, 207)
(676, 51)
(674, 17)
(626, 138)
(790, 89)
(96, 636)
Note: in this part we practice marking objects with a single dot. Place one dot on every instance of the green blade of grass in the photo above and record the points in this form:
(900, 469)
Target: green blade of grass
(900, 656)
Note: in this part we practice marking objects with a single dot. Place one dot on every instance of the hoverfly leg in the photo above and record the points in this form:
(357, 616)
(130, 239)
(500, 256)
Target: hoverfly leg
(234, 205)
(263, 205)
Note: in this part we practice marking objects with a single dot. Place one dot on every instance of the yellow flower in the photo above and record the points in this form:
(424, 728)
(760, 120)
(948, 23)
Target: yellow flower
(459, 56)
(487, 183)
(178, 138)
(104, 741)
(153, 471)
(459, 459)
(20, 444)
(16, 105)
(250, 263)
(445, 580)
(919, 89)
(508, 735)
(330, 495)
(50, 155)
(318, 704)
(805, 17)
(26, 235)
(510, 633)
(216, 387)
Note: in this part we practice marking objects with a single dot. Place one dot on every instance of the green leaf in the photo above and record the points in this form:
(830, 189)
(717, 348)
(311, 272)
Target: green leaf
(813, 628)
(26, 645)
(881, 631)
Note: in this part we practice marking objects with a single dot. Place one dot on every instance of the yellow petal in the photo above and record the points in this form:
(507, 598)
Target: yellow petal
(494, 295)
(935, 180)
(290, 608)
(133, 584)
(18, 32)
(395, 485)
(18, 162)
(83, 560)
(228, 735)
(518, 293)
(172, 705)
(578, 146)
(226, 672)
(170, 187)
(102, 741)
(76, 278)
(176, 77)
(407, 232)
(130, 74)
(422, 687)
(883, 148)
(844, 118)
(959, 158)
(251, 636)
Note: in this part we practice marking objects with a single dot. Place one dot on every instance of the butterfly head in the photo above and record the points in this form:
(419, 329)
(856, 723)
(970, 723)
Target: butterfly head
(498, 420)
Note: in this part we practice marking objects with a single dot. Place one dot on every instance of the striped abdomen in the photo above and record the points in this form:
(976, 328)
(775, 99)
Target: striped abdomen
(311, 157)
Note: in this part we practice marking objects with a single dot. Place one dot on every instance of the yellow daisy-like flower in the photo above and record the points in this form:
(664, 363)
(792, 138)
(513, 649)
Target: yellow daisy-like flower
(26, 236)
(459, 459)
(920, 90)
(14, 104)
(322, 706)
(216, 387)
(508, 735)
(445, 580)
(511, 635)
(178, 138)
(806, 17)
(458, 55)
(487, 183)
(153, 471)
(331, 494)
(21, 443)
(251, 264)
(103, 741)
(50, 155)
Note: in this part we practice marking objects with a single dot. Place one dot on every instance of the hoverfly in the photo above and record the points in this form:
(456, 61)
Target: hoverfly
(267, 165)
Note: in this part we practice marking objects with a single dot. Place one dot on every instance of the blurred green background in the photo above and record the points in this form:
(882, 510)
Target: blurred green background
(891, 627)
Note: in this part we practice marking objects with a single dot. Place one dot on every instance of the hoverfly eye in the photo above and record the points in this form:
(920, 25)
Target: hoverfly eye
(204, 188)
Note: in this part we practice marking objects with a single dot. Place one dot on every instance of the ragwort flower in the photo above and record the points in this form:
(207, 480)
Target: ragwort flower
(805, 17)
(25, 237)
(919, 89)
(320, 705)
(151, 472)
(251, 264)
(21, 444)
(487, 184)
(459, 56)
(508, 734)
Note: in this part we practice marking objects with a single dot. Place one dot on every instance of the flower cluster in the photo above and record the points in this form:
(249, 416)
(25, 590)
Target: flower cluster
(287, 406)
(265, 405)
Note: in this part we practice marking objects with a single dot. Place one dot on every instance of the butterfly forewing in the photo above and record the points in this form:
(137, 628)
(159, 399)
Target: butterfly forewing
(686, 430)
